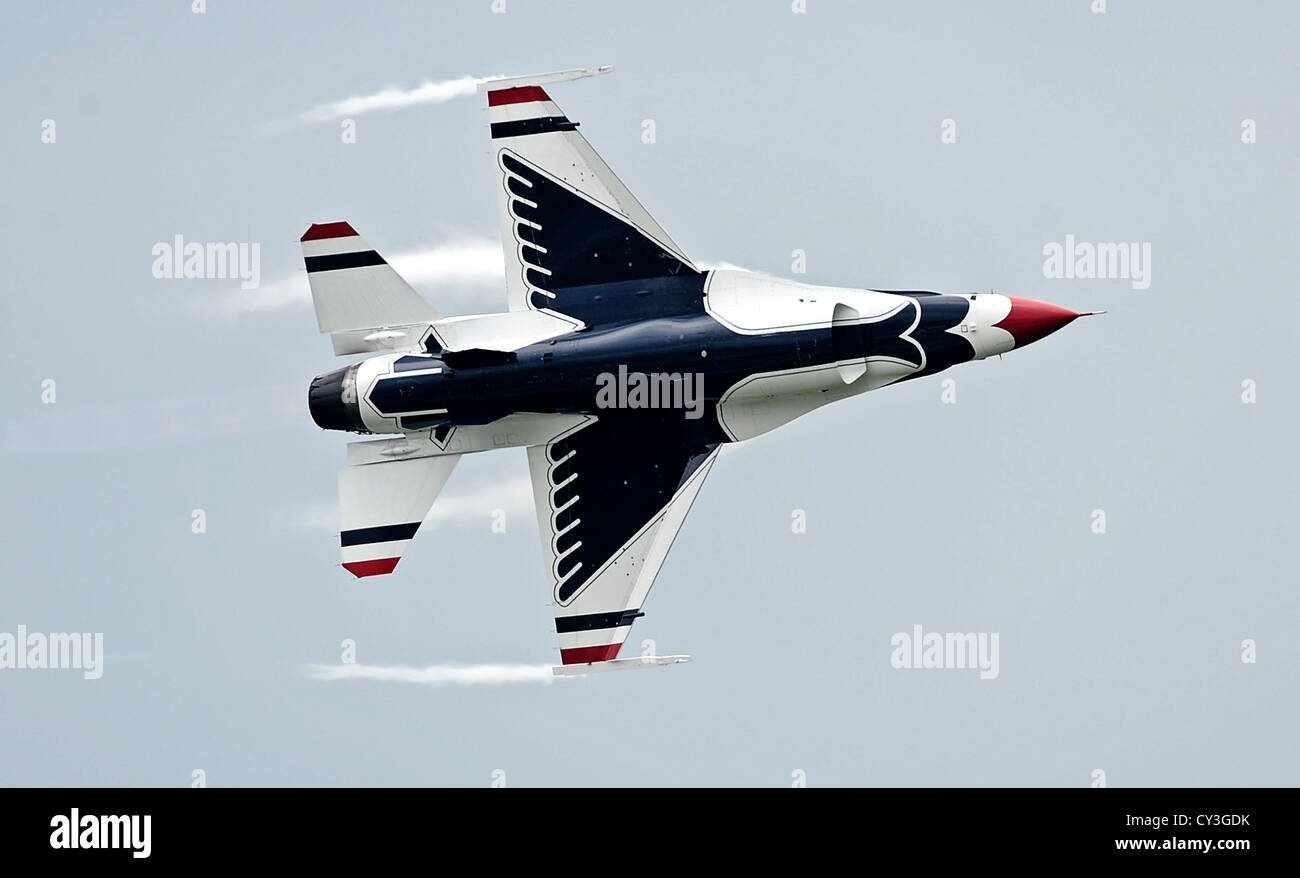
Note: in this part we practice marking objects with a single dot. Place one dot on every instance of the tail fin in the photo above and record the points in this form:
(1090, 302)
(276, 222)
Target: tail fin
(354, 289)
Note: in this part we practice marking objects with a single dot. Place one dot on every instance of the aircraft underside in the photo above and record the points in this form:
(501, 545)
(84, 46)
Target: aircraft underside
(620, 365)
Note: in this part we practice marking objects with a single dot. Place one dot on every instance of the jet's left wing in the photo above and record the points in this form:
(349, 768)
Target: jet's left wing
(611, 495)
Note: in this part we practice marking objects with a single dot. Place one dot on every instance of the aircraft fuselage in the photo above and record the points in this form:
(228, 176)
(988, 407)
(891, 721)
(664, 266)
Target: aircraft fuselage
(762, 353)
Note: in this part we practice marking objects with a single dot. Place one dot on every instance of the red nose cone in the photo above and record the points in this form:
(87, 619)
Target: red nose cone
(1029, 320)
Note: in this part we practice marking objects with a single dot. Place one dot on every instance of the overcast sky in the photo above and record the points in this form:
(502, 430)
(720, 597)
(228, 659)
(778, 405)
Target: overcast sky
(823, 132)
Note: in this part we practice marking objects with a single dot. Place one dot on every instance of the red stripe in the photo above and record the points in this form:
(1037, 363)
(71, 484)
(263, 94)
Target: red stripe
(371, 568)
(584, 654)
(521, 95)
(329, 230)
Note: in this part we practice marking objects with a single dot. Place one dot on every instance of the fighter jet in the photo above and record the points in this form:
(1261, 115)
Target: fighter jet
(621, 365)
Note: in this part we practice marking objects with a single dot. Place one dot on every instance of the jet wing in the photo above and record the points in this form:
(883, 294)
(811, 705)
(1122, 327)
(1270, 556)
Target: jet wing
(567, 223)
(611, 495)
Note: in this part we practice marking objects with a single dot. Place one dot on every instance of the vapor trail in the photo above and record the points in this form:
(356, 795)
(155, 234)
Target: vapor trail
(394, 98)
(436, 675)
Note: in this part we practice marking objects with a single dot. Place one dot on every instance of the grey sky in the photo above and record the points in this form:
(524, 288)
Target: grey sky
(775, 132)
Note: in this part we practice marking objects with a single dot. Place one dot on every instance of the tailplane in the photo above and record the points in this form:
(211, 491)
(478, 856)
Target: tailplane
(382, 506)
(360, 300)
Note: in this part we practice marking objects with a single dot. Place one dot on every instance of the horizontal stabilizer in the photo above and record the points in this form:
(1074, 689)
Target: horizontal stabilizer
(382, 506)
(353, 287)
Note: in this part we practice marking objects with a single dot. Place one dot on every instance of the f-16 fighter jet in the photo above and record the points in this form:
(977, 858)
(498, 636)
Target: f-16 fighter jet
(621, 365)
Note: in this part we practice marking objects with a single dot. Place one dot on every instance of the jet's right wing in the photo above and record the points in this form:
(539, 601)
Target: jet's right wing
(567, 222)
(611, 494)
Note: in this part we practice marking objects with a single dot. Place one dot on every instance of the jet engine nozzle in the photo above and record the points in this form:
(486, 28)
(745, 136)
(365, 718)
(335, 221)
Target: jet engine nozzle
(332, 400)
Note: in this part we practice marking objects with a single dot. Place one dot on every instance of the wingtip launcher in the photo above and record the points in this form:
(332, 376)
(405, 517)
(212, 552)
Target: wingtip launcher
(645, 661)
(543, 78)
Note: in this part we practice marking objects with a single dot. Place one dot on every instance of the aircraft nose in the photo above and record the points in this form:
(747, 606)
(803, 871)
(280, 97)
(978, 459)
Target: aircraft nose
(1029, 319)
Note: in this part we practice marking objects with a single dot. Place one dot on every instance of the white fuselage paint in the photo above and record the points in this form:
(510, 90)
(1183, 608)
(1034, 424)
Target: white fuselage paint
(754, 304)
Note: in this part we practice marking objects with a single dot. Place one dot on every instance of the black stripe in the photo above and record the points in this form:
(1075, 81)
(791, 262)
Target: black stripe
(594, 621)
(344, 260)
(382, 534)
(541, 125)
